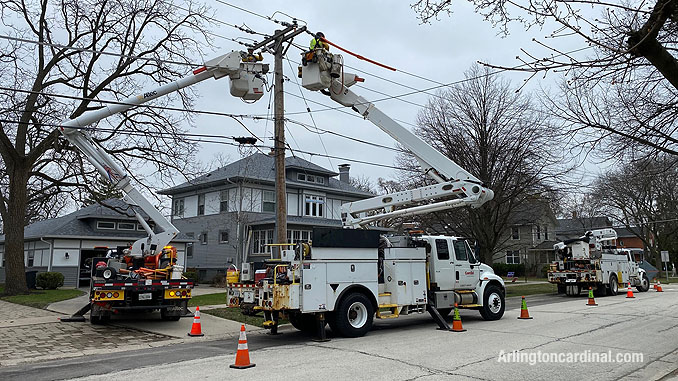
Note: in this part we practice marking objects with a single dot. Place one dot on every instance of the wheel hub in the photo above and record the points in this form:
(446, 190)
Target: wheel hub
(357, 315)
(495, 303)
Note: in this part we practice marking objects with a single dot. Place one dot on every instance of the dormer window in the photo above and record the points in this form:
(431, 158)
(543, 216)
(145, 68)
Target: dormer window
(310, 178)
(126, 226)
(106, 225)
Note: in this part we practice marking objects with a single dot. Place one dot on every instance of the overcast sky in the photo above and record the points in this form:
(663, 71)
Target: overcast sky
(386, 31)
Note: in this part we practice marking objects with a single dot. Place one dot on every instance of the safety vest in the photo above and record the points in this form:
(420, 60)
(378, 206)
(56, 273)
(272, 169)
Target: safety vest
(318, 43)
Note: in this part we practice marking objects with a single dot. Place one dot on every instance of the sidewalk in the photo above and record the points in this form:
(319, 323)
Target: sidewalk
(213, 327)
(519, 282)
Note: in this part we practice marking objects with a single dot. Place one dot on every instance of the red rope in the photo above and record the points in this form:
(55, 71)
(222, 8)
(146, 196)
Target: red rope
(357, 55)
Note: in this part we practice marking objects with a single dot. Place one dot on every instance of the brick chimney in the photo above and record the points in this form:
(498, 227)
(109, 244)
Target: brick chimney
(343, 172)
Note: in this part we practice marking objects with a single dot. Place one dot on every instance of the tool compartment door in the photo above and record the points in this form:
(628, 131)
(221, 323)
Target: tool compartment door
(314, 281)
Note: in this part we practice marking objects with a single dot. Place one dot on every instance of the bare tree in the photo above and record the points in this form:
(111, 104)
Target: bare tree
(627, 51)
(87, 50)
(499, 136)
(642, 195)
(363, 183)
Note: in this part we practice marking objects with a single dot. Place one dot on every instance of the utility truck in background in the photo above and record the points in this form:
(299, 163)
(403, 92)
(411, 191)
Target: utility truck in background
(593, 260)
(347, 277)
(146, 275)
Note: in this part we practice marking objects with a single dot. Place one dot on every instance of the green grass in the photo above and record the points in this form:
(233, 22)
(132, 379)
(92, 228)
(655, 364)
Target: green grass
(41, 298)
(531, 289)
(235, 315)
(208, 300)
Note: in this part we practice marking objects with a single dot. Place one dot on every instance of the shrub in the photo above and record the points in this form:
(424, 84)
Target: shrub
(192, 274)
(49, 280)
(219, 280)
(502, 269)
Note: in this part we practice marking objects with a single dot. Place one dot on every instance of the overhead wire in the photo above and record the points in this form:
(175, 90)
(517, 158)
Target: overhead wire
(309, 112)
(190, 136)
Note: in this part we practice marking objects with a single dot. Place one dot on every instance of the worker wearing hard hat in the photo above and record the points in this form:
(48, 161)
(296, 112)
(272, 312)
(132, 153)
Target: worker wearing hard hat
(318, 43)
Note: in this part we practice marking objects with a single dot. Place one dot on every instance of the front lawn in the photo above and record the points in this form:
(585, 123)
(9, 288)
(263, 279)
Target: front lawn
(41, 298)
(208, 300)
(531, 289)
(235, 315)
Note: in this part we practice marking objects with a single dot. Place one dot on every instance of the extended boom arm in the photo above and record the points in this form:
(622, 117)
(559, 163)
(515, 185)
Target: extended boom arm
(452, 180)
(246, 83)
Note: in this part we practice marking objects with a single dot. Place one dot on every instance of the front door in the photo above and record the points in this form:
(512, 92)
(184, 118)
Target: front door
(466, 273)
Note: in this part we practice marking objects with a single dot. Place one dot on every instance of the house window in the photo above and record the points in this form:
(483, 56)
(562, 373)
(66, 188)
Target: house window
(515, 232)
(513, 257)
(260, 240)
(201, 204)
(314, 206)
(538, 230)
(105, 225)
(223, 236)
(189, 245)
(268, 204)
(296, 236)
(178, 208)
(223, 201)
(319, 180)
(546, 233)
(127, 226)
(301, 176)
(203, 238)
(31, 258)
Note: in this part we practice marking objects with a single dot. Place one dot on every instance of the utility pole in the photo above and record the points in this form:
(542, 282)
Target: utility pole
(279, 147)
(274, 44)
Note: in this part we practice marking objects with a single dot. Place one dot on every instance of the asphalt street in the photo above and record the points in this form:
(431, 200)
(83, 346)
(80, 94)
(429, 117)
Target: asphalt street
(411, 348)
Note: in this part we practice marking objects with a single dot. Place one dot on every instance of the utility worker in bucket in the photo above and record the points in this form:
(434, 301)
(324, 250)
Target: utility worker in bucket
(318, 43)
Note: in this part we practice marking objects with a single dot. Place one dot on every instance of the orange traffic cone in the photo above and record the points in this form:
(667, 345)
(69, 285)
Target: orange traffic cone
(456, 321)
(629, 292)
(523, 310)
(659, 287)
(196, 329)
(655, 283)
(592, 301)
(242, 357)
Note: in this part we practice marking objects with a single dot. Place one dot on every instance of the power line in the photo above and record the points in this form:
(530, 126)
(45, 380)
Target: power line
(190, 137)
(205, 112)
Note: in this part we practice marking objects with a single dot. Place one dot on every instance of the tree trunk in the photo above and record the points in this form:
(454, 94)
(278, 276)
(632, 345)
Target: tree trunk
(15, 270)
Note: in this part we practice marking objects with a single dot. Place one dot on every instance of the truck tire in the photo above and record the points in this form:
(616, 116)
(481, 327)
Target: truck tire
(561, 288)
(444, 312)
(644, 284)
(166, 317)
(613, 287)
(493, 303)
(303, 322)
(354, 316)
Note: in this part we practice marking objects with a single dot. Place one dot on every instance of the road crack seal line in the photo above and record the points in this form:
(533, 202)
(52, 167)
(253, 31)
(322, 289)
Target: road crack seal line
(650, 363)
(430, 371)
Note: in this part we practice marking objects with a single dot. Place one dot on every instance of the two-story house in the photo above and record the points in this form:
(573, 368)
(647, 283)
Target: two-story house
(231, 211)
(529, 238)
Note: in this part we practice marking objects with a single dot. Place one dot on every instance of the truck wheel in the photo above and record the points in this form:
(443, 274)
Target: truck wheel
(99, 320)
(354, 316)
(444, 312)
(166, 317)
(644, 284)
(303, 322)
(493, 303)
(613, 287)
(561, 288)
